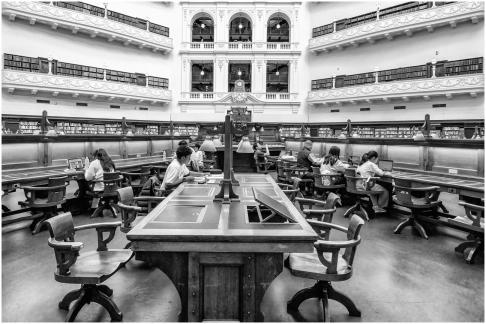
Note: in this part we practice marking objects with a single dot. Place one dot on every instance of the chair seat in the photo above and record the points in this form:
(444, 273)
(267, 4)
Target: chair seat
(417, 203)
(41, 203)
(364, 192)
(95, 267)
(308, 265)
(330, 187)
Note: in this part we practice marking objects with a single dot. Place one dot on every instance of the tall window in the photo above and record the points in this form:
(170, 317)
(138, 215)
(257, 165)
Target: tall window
(239, 71)
(203, 30)
(202, 77)
(278, 30)
(240, 30)
(278, 77)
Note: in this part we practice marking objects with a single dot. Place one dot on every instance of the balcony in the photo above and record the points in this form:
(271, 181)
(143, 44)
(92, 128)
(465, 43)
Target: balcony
(82, 87)
(94, 25)
(246, 98)
(378, 25)
(240, 47)
(448, 86)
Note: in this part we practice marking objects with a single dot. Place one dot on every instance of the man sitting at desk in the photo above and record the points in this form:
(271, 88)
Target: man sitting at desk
(177, 171)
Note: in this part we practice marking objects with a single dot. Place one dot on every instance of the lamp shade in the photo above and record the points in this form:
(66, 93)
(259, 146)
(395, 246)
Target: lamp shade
(217, 141)
(208, 145)
(244, 146)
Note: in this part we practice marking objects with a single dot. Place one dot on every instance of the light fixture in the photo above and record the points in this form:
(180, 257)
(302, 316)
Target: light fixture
(277, 73)
(240, 25)
(244, 146)
(215, 128)
(262, 129)
(208, 145)
(203, 25)
(278, 25)
(202, 72)
(239, 72)
(253, 129)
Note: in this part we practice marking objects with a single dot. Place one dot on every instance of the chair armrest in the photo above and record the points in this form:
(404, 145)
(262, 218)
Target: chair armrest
(129, 208)
(471, 206)
(310, 201)
(419, 189)
(318, 211)
(325, 225)
(149, 198)
(66, 254)
(284, 185)
(329, 246)
(30, 188)
(100, 229)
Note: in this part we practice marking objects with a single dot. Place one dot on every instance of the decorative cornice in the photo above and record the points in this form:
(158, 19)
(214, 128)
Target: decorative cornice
(56, 84)
(405, 23)
(36, 11)
(465, 84)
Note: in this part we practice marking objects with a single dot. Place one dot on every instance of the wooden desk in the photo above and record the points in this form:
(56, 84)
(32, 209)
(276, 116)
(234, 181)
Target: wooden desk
(220, 262)
(473, 187)
(38, 176)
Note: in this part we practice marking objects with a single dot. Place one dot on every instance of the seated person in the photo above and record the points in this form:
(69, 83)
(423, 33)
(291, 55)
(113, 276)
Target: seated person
(101, 163)
(148, 188)
(369, 168)
(197, 158)
(259, 155)
(332, 163)
(306, 160)
(177, 171)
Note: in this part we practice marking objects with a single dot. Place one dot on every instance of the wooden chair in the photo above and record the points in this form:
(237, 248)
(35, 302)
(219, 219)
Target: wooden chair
(88, 269)
(292, 191)
(354, 182)
(327, 182)
(136, 179)
(473, 223)
(325, 209)
(130, 208)
(406, 196)
(331, 261)
(43, 201)
(112, 182)
(281, 176)
(262, 167)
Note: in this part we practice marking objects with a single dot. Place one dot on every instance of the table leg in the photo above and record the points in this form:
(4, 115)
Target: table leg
(175, 266)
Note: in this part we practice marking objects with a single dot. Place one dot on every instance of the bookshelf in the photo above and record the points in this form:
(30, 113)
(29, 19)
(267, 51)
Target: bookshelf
(410, 72)
(322, 84)
(158, 29)
(119, 76)
(82, 7)
(291, 131)
(355, 79)
(186, 130)
(323, 30)
(404, 8)
(325, 132)
(128, 20)
(21, 63)
(77, 70)
(29, 127)
(157, 82)
(466, 66)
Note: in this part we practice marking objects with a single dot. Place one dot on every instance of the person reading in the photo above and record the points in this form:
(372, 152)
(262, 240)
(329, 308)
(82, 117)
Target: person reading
(177, 171)
(102, 163)
(369, 168)
(332, 163)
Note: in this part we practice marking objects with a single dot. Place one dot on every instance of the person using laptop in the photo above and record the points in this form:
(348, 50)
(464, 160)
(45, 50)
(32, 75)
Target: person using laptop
(332, 163)
(369, 168)
(177, 171)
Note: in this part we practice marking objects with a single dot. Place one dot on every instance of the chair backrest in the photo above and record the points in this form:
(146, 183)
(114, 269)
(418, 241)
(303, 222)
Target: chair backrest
(332, 200)
(61, 227)
(111, 186)
(280, 171)
(401, 194)
(56, 195)
(349, 174)
(354, 228)
(474, 213)
(125, 195)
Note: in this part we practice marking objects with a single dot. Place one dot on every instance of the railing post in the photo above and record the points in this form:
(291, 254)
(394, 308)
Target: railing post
(104, 74)
(334, 27)
(50, 65)
(376, 74)
(106, 10)
(334, 81)
(378, 13)
(433, 4)
(434, 62)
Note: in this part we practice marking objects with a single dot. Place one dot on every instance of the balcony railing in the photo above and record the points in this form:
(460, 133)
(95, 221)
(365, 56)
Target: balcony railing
(250, 97)
(389, 22)
(90, 20)
(251, 47)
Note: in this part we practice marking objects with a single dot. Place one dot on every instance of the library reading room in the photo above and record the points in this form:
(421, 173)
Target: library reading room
(246, 160)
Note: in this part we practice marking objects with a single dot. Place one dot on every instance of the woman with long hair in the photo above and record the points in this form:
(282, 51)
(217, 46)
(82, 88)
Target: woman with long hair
(332, 163)
(101, 163)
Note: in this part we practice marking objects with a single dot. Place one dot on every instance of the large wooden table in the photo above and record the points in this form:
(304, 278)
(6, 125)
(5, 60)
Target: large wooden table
(219, 260)
(38, 176)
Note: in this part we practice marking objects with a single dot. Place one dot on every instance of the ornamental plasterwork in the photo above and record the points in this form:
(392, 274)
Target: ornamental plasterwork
(247, 98)
(427, 18)
(472, 84)
(79, 21)
(75, 85)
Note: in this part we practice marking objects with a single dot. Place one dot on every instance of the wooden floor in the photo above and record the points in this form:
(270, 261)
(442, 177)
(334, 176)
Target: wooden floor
(397, 278)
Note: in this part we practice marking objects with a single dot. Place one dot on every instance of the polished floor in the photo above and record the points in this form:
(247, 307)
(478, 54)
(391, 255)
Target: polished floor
(397, 278)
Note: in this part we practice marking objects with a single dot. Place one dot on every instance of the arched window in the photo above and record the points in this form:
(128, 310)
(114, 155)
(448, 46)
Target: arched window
(203, 30)
(278, 29)
(202, 77)
(240, 30)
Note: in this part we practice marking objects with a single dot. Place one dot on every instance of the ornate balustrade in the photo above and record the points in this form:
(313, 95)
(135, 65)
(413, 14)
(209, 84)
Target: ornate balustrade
(246, 47)
(95, 26)
(394, 25)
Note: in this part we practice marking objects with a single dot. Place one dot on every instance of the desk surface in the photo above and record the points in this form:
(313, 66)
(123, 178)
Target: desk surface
(189, 215)
(43, 173)
(443, 181)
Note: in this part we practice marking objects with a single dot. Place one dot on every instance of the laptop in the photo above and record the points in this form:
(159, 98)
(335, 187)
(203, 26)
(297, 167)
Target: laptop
(386, 165)
(75, 164)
